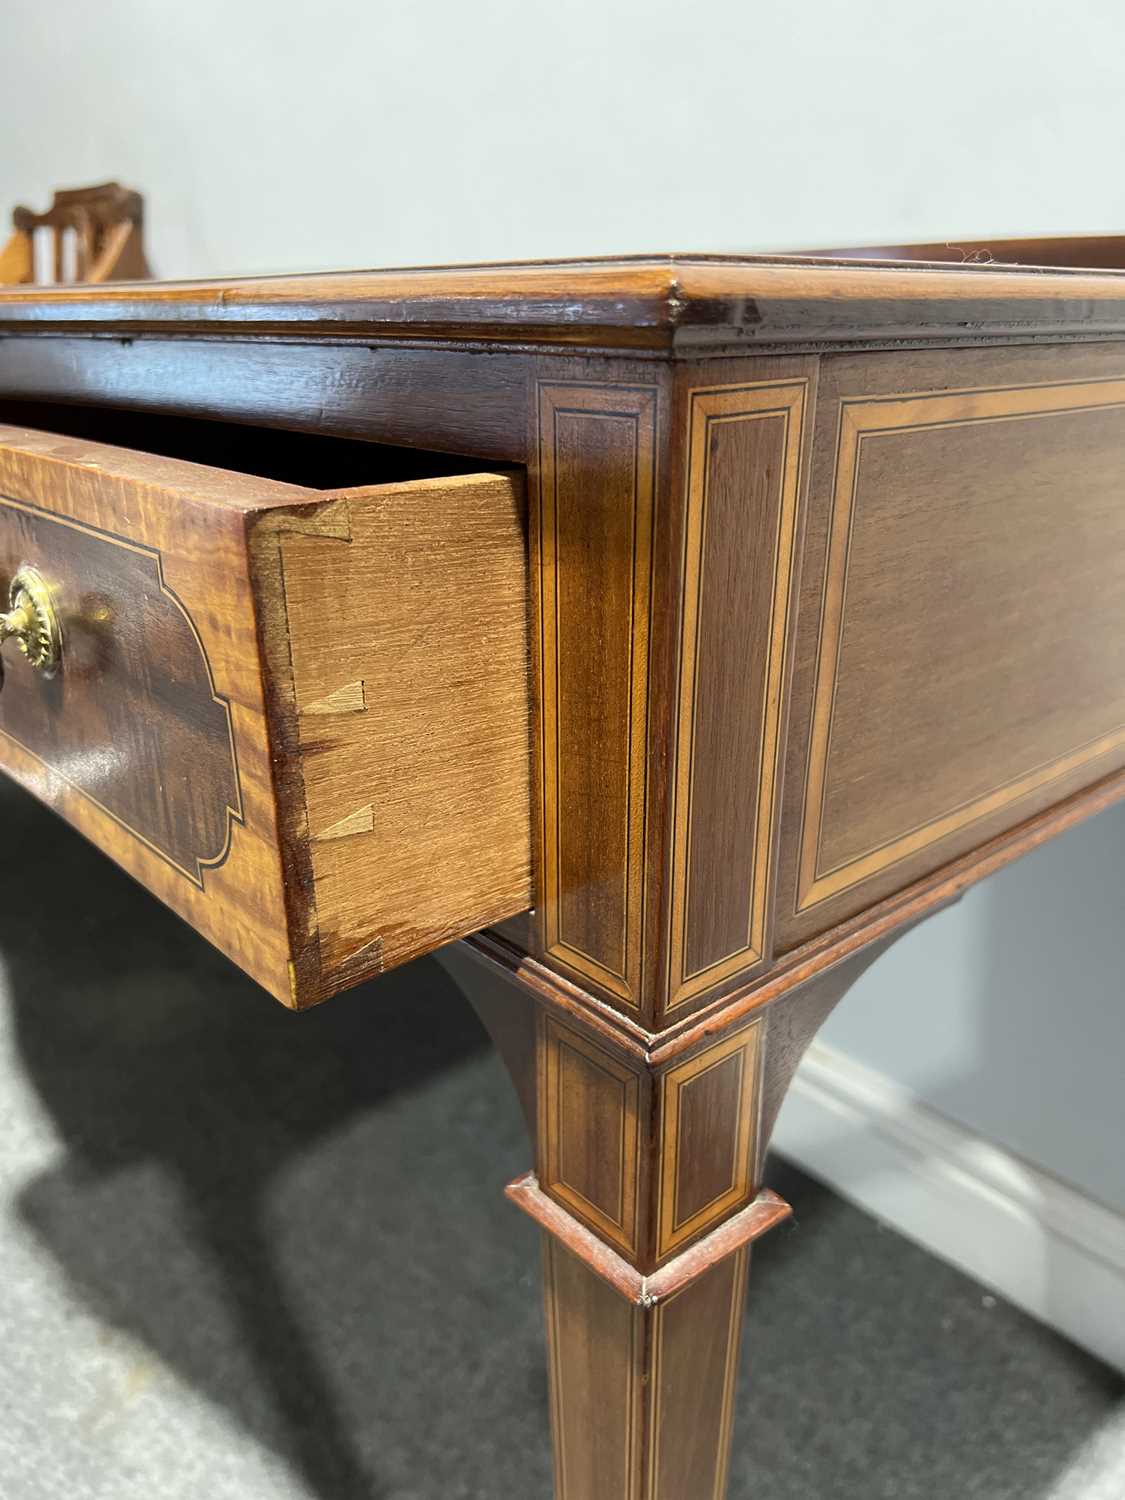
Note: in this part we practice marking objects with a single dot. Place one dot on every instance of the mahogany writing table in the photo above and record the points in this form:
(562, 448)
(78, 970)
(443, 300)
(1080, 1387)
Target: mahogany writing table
(677, 630)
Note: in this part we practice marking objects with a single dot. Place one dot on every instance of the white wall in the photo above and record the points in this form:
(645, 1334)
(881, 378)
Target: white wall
(268, 135)
(274, 135)
(1007, 1012)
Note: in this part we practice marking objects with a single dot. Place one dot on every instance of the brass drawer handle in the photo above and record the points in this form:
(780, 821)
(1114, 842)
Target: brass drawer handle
(32, 620)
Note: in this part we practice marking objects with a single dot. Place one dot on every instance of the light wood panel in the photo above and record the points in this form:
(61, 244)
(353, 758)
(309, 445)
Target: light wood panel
(394, 627)
(302, 720)
(17, 259)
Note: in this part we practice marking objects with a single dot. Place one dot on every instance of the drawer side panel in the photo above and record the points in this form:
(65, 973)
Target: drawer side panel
(394, 622)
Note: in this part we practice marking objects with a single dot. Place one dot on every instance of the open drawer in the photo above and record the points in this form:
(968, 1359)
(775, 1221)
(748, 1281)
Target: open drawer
(300, 717)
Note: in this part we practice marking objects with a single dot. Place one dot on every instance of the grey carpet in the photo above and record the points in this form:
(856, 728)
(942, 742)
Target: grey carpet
(248, 1255)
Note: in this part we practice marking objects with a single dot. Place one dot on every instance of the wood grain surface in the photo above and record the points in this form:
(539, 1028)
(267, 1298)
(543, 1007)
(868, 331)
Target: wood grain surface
(961, 648)
(646, 1289)
(597, 478)
(641, 1404)
(675, 304)
(818, 638)
(644, 1304)
(394, 629)
(709, 1107)
(590, 1107)
(300, 719)
(193, 519)
(650, 1158)
(1104, 252)
(743, 491)
(134, 721)
(453, 400)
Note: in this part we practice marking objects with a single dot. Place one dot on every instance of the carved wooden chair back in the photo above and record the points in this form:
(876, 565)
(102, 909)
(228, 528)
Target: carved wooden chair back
(90, 234)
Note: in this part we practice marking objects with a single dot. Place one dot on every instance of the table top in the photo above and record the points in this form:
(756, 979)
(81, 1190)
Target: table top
(973, 290)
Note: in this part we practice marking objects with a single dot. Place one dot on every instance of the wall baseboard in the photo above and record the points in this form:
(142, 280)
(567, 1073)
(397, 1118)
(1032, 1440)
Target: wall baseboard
(1044, 1246)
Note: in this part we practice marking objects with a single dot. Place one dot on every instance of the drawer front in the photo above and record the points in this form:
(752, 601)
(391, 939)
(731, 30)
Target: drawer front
(960, 646)
(134, 722)
(301, 719)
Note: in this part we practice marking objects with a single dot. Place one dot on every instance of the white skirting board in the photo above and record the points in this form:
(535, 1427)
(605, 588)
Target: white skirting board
(1039, 1243)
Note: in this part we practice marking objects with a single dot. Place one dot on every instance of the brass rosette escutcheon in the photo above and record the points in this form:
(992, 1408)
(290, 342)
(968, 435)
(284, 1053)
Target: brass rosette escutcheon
(32, 621)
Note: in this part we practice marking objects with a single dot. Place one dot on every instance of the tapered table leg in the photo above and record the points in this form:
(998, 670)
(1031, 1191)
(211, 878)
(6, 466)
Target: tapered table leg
(641, 1396)
(648, 1164)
